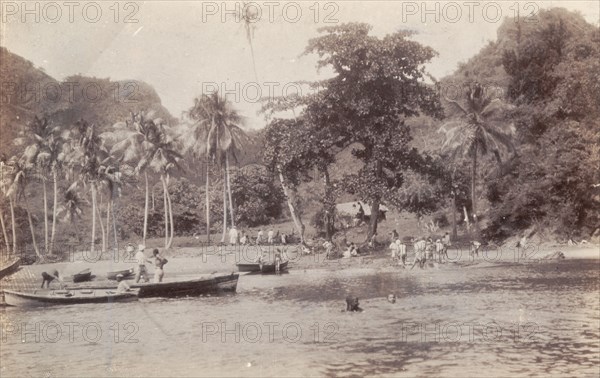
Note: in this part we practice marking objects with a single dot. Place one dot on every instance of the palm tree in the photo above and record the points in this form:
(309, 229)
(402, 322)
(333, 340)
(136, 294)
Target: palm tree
(163, 158)
(93, 157)
(132, 142)
(479, 129)
(217, 133)
(249, 19)
(4, 183)
(44, 151)
(20, 174)
(71, 208)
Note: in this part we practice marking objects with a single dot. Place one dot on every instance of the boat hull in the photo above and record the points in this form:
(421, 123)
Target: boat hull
(190, 288)
(10, 268)
(82, 277)
(264, 268)
(214, 285)
(248, 267)
(18, 299)
(125, 273)
(270, 268)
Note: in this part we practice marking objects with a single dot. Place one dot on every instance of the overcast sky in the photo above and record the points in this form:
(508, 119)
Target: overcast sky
(182, 47)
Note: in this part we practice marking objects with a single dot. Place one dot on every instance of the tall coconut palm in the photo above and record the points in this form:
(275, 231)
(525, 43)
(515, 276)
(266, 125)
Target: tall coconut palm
(249, 15)
(132, 142)
(217, 133)
(163, 158)
(480, 128)
(4, 184)
(44, 151)
(93, 157)
(71, 208)
(21, 173)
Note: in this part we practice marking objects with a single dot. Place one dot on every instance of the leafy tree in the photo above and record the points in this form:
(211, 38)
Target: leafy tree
(378, 83)
(258, 199)
(282, 140)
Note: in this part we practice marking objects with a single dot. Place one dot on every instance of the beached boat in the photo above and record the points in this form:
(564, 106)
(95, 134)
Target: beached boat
(65, 297)
(264, 268)
(83, 276)
(270, 268)
(172, 289)
(191, 288)
(127, 274)
(9, 268)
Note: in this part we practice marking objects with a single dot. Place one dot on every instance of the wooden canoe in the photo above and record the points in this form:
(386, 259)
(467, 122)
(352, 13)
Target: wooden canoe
(220, 284)
(270, 268)
(65, 297)
(9, 268)
(127, 274)
(83, 276)
(189, 288)
(264, 268)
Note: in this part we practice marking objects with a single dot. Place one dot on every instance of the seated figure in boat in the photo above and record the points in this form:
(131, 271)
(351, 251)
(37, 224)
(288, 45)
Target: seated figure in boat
(123, 287)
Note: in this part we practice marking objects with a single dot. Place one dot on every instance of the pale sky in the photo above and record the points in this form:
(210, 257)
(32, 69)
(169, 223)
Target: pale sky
(181, 47)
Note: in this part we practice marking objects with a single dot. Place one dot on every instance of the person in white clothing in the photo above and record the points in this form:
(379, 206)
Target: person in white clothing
(401, 250)
(140, 259)
(233, 236)
(270, 236)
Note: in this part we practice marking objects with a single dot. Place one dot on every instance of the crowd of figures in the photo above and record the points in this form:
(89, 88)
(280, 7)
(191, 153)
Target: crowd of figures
(272, 237)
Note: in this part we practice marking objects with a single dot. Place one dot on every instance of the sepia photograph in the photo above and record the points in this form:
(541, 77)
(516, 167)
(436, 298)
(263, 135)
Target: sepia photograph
(397, 188)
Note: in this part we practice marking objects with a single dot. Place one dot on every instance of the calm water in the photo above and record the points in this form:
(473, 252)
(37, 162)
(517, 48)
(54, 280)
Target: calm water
(513, 319)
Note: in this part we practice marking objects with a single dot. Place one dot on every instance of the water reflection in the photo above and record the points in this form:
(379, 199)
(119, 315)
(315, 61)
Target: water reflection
(445, 322)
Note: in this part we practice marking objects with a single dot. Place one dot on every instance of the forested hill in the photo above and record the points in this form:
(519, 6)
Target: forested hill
(549, 72)
(27, 91)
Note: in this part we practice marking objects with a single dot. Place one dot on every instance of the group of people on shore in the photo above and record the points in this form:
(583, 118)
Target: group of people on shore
(270, 238)
(425, 249)
(141, 272)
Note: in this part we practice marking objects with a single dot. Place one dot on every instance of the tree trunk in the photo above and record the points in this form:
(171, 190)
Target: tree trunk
(45, 215)
(146, 209)
(101, 224)
(454, 233)
(374, 219)
(229, 190)
(172, 224)
(162, 179)
(4, 234)
(54, 209)
(473, 182)
(329, 206)
(93, 219)
(374, 205)
(35, 247)
(207, 195)
(108, 208)
(12, 221)
(224, 211)
(115, 230)
(295, 216)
